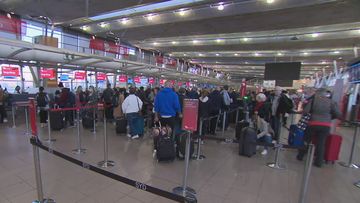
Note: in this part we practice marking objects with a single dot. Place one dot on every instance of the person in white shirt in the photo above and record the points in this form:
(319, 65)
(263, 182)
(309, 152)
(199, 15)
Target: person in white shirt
(131, 108)
(265, 132)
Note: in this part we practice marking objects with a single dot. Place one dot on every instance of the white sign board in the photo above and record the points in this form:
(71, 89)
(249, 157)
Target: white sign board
(269, 84)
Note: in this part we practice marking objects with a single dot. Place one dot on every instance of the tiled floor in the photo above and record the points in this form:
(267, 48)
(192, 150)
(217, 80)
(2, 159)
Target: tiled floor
(222, 177)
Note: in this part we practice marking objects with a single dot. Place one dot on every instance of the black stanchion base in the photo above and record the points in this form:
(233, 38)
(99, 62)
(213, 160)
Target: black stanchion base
(347, 165)
(44, 201)
(106, 164)
(79, 151)
(188, 193)
(357, 184)
(276, 166)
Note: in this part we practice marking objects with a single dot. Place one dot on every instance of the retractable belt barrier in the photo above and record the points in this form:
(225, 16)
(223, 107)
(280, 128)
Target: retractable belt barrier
(138, 185)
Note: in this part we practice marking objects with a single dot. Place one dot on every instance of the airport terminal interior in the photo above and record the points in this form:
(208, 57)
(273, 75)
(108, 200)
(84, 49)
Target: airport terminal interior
(153, 101)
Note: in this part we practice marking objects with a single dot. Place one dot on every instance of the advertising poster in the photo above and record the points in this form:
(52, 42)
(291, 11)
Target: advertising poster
(10, 71)
(47, 73)
(190, 114)
(101, 76)
(80, 75)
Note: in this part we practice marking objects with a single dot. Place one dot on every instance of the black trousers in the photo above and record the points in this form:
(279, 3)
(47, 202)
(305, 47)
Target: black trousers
(168, 122)
(320, 133)
(43, 116)
(276, 126)
(2, 113)
(109, 111)
(213, 122)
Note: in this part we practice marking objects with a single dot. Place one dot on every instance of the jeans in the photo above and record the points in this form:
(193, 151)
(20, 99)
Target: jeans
(276, 126)
(130, 119)
(319, 133)
(266, 139)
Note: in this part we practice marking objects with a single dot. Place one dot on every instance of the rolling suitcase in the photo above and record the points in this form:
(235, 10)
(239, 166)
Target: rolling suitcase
(238, 128)
(165, 148)
(181, 145)
(247, 146)
(121, 125)
(56, 120)
(332, 147)
(296, 136)
(88, 120)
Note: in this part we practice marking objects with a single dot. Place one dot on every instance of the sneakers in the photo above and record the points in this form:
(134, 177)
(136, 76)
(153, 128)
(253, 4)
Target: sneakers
(135, 137)
(128, 135)
(264, 152)
(154, 153)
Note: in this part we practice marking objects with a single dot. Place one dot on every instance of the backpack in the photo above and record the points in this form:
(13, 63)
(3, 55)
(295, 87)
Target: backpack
(41, 100)
(287, 103)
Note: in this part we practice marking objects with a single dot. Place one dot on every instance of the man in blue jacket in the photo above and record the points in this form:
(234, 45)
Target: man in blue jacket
(167, 106)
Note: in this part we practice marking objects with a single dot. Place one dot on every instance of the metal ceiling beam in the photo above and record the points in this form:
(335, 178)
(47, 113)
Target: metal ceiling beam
(18, 52)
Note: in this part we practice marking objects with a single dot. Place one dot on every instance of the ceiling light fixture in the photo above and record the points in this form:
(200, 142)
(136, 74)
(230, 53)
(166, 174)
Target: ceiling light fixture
(245, 39)
(182, 11)
(306, 53)
(270, 1)
(217, 54)
(256, 54)
(103, 24)
(85, 27)
(219, 40)
(314, 35)
(124, 21)
(195, 41)
(221, 6)
(279, 54)
(150, 16)
(336, 52)
(200, 55)
(185, 55)
(155, 43)
(173, 42)
(236, 54)
(323, 62)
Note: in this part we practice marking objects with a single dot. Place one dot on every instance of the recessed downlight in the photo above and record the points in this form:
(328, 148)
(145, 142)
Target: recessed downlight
(314, 35)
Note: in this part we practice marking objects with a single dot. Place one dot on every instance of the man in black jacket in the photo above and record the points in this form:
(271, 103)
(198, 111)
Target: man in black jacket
(215, 103)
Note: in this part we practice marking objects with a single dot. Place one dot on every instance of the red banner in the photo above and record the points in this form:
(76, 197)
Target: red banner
(101, 76)
(10, 71)
(180, 84)
(80, 75)
(123, 78)
(151, 81)
(187, 84)
(12, 25)
(47, 73)
(137, 80)
(166, 61)
(162, 81)
(172, 82)
(111, 47)
(190, 114)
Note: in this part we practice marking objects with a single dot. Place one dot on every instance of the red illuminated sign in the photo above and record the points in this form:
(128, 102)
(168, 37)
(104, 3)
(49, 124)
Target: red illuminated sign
(151, 81)
(101, 76)
(187, 84)
(137, 80)
(179, 84)
(10, 71)
(123, 78)
(79, 75)
(47, 73)
(162, 81)
(108, 46)
(190, 114)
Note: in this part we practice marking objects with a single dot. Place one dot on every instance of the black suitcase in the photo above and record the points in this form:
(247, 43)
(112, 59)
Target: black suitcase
(88, 122)
(239, 127)
(181, 145)
(121, 125)
(247, 146)
(165, 149)
(56, 120)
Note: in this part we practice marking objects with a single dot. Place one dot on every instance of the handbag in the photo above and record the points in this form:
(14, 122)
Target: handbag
(305, 118)
(140, 110)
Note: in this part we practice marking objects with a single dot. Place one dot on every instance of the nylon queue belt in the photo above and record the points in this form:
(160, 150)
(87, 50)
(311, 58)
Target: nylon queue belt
(138, 185)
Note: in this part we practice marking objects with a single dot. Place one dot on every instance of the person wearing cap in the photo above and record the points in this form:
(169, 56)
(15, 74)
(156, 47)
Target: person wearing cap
(323, 110)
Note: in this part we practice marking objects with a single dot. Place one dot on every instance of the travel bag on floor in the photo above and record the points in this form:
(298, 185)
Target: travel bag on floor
(181, 145)
(165, 149)
(332, 147)
(121, 125)
(296, 136)
(56, 120)
(88, 120)
(238, 128)
(246, 142)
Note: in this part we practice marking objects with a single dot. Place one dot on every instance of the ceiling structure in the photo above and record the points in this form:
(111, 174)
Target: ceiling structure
(237, 36)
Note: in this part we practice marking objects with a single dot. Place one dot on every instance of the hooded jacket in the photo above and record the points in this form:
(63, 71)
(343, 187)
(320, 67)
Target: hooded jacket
(167, 103)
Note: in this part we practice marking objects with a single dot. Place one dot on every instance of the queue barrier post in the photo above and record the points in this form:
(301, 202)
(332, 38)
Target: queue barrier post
(27, 132)
(79, 150)
(94, 117)
(106, 162)
(276, 164)
(217, 120)
(199, 156)
(13, 109)
(184, 190)
(223, 123)
(350, 163)
(307, 171)
(237, 115)
(49, 139)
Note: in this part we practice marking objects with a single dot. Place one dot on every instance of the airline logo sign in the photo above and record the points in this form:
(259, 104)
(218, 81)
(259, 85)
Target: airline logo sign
(11, 71)
(137, 80)
(79, 75)
(151, 81)
(123, 78)
(47, 73)
(12, 25)
(101, 76)
(111, 47)
(165, 60)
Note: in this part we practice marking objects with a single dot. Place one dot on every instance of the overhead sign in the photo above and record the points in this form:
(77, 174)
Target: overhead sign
(269, 83)
(47, 73)
(162, 81)
(64, 77)
(108, 46)
(180, 84)
(190, 114)
(80, 75)
(12, 25)
(10, 71)
(137, 80)
(123, 78)
(166, 61)
(101, 76)
(144, 81)
(151, 80)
